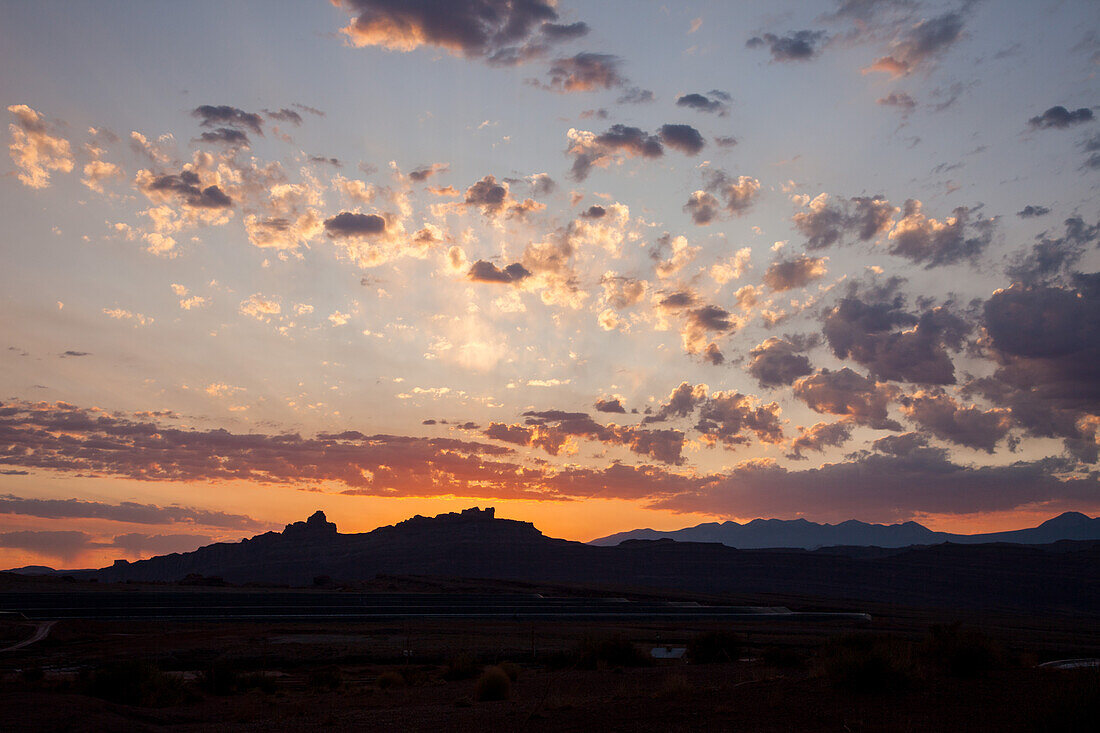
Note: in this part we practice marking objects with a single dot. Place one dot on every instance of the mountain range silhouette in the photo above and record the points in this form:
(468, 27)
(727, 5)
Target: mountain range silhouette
(1063, 576)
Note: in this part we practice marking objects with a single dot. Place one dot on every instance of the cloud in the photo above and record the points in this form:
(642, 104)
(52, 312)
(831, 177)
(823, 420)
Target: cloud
(898, 100)
(829, 221)
(777, 362)
(924, 240)
(1030, 211)
(585, 72)
(920, 45)
(739, 194)
(127, 511)
(783, 275)
(494, 199)
(286, 115)
(552, 431)
(34, 148)
(820, 436)
(225, 116)
(610, 404)
(503, 32)
(845, 393)
(703, 207)
(226, 136)
(795, 46)
(186, 187)
(716, 102)
(425, 172)
(1059, 118)
(1046, 342)
(260, 307)
(1052, 257)
(938, 413)
(684, 138)
(63, 544)
(881, 488)
(728, 416)
(620, 141)
(487, 272)
(348, 224)
(894, 344)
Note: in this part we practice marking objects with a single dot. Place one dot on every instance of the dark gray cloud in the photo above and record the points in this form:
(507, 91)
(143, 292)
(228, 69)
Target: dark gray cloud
(1060, 118)
(594, 212)
(684, 138)
(636, 95)
(703, 207)
(737, 194)
(225, 136)
(1031, 211)
(610, 404)
(585, 72)
(795, 46)
(1092, 147)
(552, 430)
(494, 199)
(348, 224)
(225, 116)
(284, 115)
(1053, 257)
(777, 362)
(487, 272)
(425, 172)
(877, 332)
(126, 511)
(504, 32)
(71, 353)
(877, 487)
(715, 102)
(898, 100)
(939, 414)
(921, 44)
(188, 188)
(730, 417)
(725, 141)
(924, 240)
(1046, 342)
(799, 272)
(819, 437)
(619, 140)
(846, 393)
(64, 544)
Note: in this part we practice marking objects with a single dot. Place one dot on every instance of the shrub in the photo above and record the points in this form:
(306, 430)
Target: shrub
(326, 677)
(782, 657)
(462, 667)
(510, 669)
(136, 683)
(864, 663)
(389, 679)
(962, 652)
(493, 684)
(612, 651)
(714, 646)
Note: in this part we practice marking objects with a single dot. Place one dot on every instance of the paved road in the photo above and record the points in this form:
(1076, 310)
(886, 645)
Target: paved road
(324, 605)
(40, 633)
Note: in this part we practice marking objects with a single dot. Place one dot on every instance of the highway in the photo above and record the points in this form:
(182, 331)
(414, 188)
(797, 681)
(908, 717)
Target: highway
(232, 605)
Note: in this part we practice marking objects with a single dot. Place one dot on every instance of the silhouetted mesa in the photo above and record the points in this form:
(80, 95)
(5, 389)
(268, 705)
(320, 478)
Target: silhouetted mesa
(475, 544)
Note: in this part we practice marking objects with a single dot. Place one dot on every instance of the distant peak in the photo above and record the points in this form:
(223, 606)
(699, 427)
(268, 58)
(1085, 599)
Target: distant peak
(316, 526)
(1066, 519)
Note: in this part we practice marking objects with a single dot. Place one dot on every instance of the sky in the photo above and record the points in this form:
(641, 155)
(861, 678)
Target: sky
(599, 265)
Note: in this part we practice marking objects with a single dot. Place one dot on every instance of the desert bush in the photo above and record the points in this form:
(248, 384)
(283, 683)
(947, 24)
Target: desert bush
(782, 657)
(136, 683)
(461, 667)
(961, 652)
(221, 678)
(611, 651)
(714, 646)
(865, 663)
(390, 679)
(493, 684)
(510, 669)
(329, 678)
